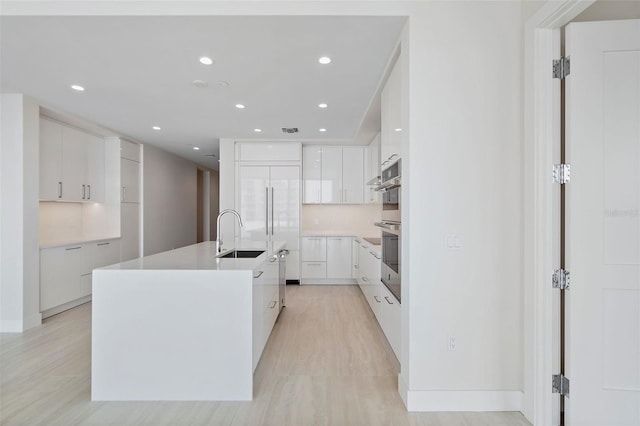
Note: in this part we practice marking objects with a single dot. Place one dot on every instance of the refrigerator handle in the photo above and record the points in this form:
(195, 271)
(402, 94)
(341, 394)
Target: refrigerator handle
(266, 211)
(272, 197)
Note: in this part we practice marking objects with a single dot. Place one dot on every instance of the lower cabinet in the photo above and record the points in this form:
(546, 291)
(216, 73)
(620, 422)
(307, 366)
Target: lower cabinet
(383, 304)
(65, 272)
(326, 260)
(266, 305)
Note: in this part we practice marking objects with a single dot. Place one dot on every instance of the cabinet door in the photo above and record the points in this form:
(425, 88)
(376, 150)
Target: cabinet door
(60, 281)
(313, 269)
(355, 249)
(51, 185)
(353, 175)
(130, 180)
(339, 257)
(129, 231)
(74, 164)
(258, 314)
(331, 186)
(95, 169)
(129, 150)
(314, 249)
(391, 117)
(266, 151)
(254, 193)
(312, 174)
(284, 205)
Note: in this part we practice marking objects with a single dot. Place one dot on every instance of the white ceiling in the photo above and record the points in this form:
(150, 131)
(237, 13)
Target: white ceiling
(138, 73)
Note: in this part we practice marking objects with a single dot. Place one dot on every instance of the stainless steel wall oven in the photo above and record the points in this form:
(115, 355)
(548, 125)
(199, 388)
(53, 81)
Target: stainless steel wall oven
(391, 228)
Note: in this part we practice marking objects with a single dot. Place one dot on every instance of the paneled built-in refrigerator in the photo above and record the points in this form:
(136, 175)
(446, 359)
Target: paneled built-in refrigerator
(268, 200)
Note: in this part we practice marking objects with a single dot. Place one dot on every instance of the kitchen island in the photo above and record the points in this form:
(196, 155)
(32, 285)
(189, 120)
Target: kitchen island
(183, 325)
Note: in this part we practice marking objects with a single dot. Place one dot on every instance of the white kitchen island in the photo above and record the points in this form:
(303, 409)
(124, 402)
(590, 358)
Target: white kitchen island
(183, 325)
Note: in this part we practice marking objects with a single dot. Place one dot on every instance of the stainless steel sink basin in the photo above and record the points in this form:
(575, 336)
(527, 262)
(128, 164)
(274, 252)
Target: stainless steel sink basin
(241, 254)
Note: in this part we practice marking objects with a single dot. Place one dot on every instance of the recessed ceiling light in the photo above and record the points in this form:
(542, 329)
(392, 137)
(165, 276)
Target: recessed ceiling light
(257, 130)
(200, 84)
(398, 130)
(196, 148)
(239, 106)
(322, 105)
(322, 130)
(324, 60)
(77, 88)
(156, 128)
(205, 60)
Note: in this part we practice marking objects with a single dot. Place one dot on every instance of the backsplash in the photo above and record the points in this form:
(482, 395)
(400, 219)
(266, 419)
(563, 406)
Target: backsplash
(354, 219)
(61, 221)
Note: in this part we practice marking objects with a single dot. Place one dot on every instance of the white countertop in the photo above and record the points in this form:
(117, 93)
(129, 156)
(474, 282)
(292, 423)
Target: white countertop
(202, 256)
(72, 241)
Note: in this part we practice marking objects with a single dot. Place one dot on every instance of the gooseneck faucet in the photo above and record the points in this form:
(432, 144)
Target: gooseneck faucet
(219, 240)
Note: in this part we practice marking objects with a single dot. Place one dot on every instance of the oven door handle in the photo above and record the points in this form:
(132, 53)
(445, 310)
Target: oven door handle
(388, 225)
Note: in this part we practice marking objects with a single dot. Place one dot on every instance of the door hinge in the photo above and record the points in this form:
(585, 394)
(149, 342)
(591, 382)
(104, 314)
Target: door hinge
(561, 67)
(561, 173)
(561, 279)
(560, 384)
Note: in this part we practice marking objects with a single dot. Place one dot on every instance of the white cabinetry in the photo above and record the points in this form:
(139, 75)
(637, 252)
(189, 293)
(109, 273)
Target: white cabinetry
(372, 171)
(355, 249)
(268, 151)
(72, 164)
(391, 117)
(333, 175)
(326, 260)
(268, 201)
(338, 257)
(265, 304)
(130, 198)
(65, 272)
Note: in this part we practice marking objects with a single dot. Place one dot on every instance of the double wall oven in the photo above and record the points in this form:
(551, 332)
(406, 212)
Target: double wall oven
(391, 227)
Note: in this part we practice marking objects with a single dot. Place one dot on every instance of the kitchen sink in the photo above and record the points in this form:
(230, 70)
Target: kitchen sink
(241, 254)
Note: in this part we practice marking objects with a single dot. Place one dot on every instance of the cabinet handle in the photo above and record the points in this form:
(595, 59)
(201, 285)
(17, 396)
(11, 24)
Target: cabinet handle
(376, 298)
(387, 299)
(89, 188)
(335, 239)
(84, 192)
(314, 264)
(258, 274)
(392, 155)
(364, 247)
(73, 248)
(273, 258)
(124, 193)
(266, 211)
(59, 189)
(314, 238)
(103, 244)
(356, 267)
(273, 304)
(384, 162)
(272, 197)
(365, 279)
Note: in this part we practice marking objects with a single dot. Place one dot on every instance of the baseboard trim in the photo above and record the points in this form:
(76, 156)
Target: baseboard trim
(327, 281)
(33, 321)
(403, 390)
(58, 309)
(430, 400)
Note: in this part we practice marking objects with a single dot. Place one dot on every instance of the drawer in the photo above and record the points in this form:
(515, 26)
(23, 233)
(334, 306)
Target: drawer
(313, 269)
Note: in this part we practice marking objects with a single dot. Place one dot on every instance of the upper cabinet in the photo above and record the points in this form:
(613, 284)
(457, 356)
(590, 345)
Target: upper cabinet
(333, 175)
(391, 117)
(72, 164)
(372, 171)
(268, 151)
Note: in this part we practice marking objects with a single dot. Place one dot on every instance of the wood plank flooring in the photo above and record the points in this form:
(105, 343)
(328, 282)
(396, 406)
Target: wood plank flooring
(326, 363)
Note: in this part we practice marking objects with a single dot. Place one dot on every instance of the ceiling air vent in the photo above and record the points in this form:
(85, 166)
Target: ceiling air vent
(289, 130)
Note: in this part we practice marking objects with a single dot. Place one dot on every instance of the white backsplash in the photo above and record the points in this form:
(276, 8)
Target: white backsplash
(354, 219)
(61, 221)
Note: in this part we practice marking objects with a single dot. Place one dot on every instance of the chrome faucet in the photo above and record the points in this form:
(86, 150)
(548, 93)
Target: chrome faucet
(219, 240)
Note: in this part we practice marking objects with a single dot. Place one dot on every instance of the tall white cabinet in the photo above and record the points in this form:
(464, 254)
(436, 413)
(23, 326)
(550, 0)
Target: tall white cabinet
(130, 178)
(391, 117)
(268, 197)
(333, 175)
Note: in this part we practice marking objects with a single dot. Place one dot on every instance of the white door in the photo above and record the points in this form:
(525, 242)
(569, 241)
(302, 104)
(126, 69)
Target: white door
(50, 160)
(74, 164)
(284, 205)
(603, 223)
(353, 175)
(331, 175)
(254, 193)
(130, 176)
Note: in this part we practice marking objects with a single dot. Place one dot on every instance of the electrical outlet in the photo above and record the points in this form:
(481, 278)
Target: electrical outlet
(451, 343)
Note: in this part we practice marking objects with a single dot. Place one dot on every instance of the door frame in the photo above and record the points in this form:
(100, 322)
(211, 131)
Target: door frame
(542, 206)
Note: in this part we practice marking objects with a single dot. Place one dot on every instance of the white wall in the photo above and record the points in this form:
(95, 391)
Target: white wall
(464, 155)
(19, 254)
(170, 201)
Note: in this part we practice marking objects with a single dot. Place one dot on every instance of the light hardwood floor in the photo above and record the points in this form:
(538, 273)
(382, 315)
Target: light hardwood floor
(326, 363)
